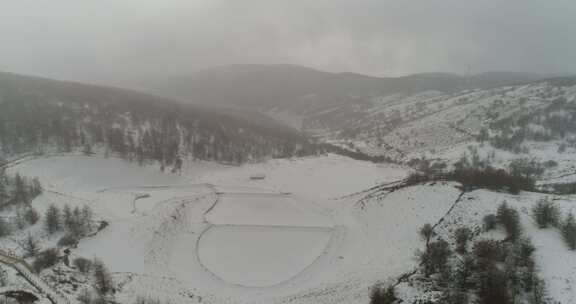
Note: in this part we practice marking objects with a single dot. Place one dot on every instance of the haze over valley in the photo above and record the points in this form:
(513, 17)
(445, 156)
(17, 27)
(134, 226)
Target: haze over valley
(282, 152)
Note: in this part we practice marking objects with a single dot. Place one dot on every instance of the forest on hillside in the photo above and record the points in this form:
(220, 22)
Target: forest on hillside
(133, 126)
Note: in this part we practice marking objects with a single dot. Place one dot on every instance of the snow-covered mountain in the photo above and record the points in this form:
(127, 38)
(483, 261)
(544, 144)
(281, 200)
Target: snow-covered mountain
(403, 118)
(253, 212)
(383, 116)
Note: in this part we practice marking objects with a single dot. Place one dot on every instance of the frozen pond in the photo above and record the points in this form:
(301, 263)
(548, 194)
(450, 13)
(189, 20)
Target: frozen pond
(259, 256)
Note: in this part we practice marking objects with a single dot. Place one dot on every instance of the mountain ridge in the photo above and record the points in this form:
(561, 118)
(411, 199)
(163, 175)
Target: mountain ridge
(258, 85)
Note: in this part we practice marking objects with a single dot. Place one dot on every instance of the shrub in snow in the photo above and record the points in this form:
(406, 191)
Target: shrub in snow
(526, 168)
(510, 220)
(462, 236)
(68, 240)
(5, 229)
(99, 299)
(565, 188)
(493, 287)
(454, 296)
(146, 300)
(538, 294)
(435, 257)
(379, 295)
(487, 252)
(490, 222)
(492, 178)
(463, 271)
(84, 297)
(550, 164)
(102, 278)
(31, 216)
(83, 265)
(426, 232)
(545, 213)
(523, 251)
(3, 278)
(45, 259)
(569, 231)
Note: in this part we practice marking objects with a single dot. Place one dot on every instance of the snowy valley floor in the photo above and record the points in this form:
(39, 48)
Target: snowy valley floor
(213, 235)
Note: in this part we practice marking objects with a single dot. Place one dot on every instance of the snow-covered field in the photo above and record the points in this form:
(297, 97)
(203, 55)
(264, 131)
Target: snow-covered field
(214, 235)
(261, 256)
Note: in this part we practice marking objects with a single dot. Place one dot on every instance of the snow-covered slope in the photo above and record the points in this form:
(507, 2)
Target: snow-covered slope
(402, 124)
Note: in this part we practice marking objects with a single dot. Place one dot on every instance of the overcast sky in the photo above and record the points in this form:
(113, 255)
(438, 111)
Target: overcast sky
(109, 40)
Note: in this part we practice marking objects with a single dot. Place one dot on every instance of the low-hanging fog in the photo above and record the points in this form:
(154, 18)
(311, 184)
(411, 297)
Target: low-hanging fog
(112, 41)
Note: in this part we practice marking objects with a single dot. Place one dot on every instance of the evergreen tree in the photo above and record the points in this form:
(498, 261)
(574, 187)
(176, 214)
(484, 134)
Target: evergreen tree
(539, 293)
(435, 257)
(4, 228)
(510, 220)
(3, 278)
(19, 194)
(3, 192)
(21, 222)
(545, 214)
(462, 236)
(102, 278)
(67, 217)
(78, 225)
(463, 272)
(493, 287)
(86, 219)
(52, 219)
(30, 246)
(35, 187)
(569, 231)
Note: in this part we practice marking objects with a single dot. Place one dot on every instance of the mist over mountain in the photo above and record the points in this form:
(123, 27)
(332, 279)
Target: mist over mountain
(286, 85)
(287, 152)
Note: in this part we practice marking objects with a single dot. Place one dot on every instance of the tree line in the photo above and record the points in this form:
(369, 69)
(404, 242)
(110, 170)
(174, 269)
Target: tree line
(140, 131)
(486, 271)
(17, 192)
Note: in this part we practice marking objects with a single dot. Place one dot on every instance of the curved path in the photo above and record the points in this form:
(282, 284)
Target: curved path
(57, 298)
(307, 266)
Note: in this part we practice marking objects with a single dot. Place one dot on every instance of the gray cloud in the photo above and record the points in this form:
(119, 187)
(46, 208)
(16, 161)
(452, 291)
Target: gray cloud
(109, 40)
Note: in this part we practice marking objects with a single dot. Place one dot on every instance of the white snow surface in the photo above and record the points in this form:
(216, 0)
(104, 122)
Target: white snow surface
(261, 256)
(213, 235)
(266, 210)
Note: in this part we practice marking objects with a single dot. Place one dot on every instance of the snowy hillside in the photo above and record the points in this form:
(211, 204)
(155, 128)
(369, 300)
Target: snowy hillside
(404, 124)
